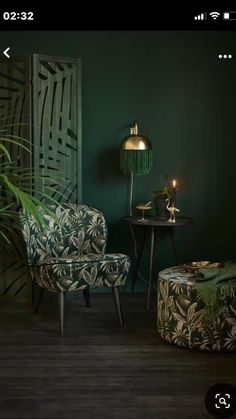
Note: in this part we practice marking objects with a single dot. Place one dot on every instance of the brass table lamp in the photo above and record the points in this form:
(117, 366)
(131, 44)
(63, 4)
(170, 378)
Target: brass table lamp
(136, 153)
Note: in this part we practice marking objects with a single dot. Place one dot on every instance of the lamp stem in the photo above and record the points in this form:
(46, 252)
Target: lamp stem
(131, 192)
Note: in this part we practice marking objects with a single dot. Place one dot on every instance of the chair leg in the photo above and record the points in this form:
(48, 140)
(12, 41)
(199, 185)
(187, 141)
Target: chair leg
(38, 298)
(61, 300)
(87, 297)
(116, 298)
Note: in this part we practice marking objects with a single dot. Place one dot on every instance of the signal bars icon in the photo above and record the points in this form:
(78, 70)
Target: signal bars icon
(202, 16)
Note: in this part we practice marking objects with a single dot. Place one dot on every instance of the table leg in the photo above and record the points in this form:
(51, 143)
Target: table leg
(138, 260)
(173, 244)
(150, 267)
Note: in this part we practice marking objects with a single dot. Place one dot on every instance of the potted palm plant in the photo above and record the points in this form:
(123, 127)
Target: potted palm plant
(18, 187)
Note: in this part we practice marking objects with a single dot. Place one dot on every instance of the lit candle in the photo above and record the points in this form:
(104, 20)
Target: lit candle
(174, 183)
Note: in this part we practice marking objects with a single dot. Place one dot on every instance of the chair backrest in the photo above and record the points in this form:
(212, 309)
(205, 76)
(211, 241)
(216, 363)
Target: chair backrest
(76, 230)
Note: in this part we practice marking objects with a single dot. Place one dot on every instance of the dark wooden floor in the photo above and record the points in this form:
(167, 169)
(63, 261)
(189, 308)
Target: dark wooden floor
(98, 369)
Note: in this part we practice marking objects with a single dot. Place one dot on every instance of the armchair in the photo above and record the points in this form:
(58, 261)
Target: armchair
(68, 253)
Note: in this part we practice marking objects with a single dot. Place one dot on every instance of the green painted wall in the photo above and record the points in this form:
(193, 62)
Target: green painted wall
(184, 99)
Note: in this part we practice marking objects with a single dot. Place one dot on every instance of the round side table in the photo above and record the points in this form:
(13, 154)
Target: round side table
(152, 223)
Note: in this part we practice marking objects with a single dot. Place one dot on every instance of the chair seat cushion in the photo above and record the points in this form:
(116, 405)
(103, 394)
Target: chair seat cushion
(71, 273)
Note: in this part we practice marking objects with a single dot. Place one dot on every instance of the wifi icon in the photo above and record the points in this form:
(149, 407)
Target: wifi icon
(214, 15)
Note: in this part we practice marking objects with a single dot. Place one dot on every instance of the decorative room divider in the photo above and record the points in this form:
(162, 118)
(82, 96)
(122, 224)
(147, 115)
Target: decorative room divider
(40, 100)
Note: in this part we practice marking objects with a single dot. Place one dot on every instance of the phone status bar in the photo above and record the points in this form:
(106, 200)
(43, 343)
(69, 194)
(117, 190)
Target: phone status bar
(145, 18)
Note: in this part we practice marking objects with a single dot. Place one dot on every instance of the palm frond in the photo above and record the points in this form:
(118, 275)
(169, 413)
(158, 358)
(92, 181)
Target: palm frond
(3, 235)
(17, 143)
(5, 151)
(23, 187)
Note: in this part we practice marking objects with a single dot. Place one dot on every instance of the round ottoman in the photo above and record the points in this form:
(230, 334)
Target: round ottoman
(180, 314)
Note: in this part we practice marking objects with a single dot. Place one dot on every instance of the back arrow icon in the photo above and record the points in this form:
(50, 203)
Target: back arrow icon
(6, 52)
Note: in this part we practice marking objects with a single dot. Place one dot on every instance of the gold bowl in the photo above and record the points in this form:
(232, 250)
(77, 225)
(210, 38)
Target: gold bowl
(193, 266)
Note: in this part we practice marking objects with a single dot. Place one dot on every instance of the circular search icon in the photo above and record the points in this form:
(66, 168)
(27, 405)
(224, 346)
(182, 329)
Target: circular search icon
(220, 400)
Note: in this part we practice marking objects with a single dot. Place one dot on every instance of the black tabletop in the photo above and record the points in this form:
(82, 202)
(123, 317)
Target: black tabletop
(153, 221)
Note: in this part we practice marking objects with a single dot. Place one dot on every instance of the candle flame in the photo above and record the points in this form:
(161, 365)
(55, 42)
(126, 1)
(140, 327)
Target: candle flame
(174, 183)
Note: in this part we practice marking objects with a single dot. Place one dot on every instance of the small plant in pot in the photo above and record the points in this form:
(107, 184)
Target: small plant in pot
(161, 194)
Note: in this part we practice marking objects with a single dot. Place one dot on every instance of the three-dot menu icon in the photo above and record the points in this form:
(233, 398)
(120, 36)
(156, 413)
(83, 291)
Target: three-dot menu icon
(225, 56)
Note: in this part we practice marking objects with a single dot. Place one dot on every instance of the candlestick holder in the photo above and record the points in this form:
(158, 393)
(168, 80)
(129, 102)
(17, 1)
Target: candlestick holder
(174, 184)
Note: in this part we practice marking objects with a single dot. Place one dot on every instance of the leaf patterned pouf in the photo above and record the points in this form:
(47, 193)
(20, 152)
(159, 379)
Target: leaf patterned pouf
(181, 314)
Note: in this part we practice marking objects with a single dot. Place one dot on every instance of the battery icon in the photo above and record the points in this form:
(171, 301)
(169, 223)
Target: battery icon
(229, 15)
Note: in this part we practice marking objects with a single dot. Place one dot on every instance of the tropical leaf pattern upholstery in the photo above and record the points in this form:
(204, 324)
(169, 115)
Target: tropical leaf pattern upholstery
(68, 253)
(180, 314)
